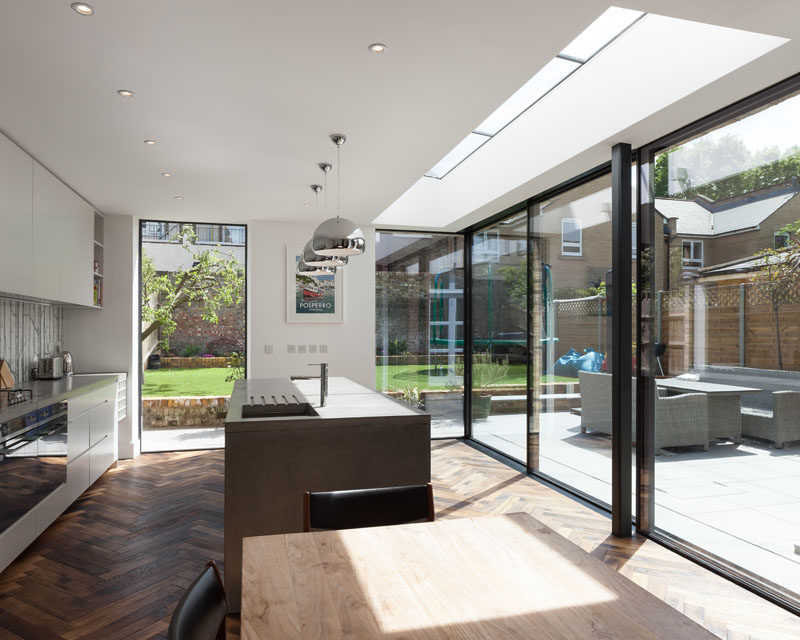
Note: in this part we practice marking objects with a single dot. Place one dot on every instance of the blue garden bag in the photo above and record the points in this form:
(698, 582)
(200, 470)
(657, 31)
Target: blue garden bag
(592, 361)
(567, 365)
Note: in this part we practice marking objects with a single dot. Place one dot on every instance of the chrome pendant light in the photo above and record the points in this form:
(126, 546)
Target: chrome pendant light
(338, 236)
(309, 257)
(307, 270)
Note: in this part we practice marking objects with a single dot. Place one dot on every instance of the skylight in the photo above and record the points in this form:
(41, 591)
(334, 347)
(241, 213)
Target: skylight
(596, 36)
(601, 32)
(551, 74)
(460, 152)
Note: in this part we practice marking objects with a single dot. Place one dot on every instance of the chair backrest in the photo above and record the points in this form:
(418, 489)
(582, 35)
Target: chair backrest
(200, 614)
(367, 507)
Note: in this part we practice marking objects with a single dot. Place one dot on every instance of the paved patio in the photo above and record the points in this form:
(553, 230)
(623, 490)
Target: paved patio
(741, 503)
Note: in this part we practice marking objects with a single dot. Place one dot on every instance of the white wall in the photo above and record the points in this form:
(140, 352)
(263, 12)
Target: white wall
(351, 344)
(106, 340)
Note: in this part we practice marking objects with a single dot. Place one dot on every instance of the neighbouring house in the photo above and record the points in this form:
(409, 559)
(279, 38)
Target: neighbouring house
(713, 236)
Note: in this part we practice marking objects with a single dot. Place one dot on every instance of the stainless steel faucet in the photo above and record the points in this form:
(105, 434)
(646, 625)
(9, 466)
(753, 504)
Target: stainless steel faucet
(323, 381)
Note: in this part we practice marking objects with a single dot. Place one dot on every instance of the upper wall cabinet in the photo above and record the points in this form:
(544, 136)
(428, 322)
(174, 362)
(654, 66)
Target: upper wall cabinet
(47, 238)
(16, 237)
(63, 231)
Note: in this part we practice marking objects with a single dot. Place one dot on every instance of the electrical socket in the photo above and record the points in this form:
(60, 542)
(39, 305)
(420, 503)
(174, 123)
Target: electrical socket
(290, 348)
(301, 348)
(268, 349)
(312, 348)
(323, 348)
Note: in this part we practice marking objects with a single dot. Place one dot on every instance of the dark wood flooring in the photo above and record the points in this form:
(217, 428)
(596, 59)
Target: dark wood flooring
(115, 564)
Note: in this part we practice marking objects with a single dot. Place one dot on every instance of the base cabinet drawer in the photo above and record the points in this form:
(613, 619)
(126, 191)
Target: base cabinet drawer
(101, 457)
(78, 476)
(78, 436)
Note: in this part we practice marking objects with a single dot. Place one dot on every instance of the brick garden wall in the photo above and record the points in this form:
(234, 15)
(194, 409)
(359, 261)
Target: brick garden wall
(220, 339)
(174, 413)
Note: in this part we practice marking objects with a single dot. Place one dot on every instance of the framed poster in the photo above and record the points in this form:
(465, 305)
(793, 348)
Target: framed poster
(312, 298)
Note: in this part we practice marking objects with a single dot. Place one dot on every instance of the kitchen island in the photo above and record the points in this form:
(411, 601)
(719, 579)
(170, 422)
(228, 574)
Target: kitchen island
(359, 439)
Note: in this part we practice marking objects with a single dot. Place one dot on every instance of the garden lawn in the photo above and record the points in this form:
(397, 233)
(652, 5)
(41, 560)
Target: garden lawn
(186, 382)
(422, 376)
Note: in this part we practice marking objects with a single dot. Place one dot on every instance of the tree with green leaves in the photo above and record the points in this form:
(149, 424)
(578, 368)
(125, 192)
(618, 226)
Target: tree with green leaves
(694, 169)
(777, 278)
(214, 280)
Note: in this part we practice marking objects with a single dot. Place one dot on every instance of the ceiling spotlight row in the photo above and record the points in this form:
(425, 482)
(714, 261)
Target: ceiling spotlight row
(336, 239)
(87, 10)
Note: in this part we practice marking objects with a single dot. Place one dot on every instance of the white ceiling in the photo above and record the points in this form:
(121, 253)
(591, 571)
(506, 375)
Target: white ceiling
(242, 94)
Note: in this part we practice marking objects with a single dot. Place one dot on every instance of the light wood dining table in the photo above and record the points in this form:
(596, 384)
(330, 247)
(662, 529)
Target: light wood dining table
(486, 578)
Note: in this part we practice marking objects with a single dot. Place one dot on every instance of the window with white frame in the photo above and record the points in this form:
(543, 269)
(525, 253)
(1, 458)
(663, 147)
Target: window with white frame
(571, 237)
(780, 240)
(692, 254)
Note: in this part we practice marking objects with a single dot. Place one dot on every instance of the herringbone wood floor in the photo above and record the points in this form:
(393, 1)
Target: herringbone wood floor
(115, 564)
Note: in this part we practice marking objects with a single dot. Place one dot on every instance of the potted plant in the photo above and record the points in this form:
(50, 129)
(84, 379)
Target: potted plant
(485, 374)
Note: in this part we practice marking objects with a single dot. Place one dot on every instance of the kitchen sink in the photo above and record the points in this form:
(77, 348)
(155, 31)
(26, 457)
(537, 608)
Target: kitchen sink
(277, 410)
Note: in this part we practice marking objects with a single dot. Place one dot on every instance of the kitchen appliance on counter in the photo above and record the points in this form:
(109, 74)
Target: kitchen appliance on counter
(49, 367)
(69, 368)
(33, 460)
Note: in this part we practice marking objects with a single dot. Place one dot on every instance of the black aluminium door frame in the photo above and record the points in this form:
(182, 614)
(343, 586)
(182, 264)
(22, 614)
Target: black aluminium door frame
(646, 232)
(142, 221)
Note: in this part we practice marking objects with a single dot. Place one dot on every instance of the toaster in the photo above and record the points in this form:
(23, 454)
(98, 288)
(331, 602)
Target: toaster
(50, 367)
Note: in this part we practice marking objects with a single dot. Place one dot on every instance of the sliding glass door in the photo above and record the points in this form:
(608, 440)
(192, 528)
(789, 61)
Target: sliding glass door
(499, 287)
(721, 311)
(419, 289)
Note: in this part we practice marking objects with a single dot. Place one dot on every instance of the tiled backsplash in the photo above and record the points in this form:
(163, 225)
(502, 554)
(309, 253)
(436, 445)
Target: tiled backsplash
(27, 329)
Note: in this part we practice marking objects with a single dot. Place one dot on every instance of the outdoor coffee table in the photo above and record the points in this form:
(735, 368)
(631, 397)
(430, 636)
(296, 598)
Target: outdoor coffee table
(724, 404)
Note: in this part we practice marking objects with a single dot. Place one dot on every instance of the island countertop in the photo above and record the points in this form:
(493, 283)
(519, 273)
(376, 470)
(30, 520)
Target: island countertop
(347, 401)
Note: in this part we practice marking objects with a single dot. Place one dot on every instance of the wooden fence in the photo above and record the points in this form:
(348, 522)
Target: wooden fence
(701, 325)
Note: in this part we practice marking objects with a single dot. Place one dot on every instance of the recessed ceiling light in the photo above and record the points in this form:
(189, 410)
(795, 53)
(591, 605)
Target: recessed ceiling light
(377, 47)
(166, 174)
(125, 93)
(150, 142)
(306, 205)
(83, 8)
(178, 197)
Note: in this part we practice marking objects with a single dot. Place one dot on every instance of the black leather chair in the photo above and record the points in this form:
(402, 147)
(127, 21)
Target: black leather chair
(200, 614)
(367, 507)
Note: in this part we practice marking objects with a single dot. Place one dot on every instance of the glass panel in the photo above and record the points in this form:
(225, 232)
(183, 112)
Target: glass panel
(571, 321)
(597, 35)
(499, 335)
(419, 324)
(548, 77)
(727, 463)
(457, 155)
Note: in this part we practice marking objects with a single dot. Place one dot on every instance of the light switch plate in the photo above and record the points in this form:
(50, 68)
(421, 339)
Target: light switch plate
(323, 348)
(301, 348)
(290, 348)
(312, 348)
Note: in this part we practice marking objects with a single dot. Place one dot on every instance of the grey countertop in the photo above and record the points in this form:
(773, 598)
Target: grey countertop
(347, 401)
(49, 391)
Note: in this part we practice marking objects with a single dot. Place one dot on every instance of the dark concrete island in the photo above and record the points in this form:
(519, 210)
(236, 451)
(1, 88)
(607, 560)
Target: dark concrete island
(359, 439)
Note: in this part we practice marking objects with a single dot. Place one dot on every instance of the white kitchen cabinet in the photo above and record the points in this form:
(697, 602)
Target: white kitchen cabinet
(78, 476)
(78, 435)
(63, 240)
(103, 423)
(48, 229)
(16, 238)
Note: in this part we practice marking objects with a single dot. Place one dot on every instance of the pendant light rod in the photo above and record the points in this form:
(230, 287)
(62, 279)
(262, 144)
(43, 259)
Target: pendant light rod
(338, 139)
(316, 189)
(325, 167)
